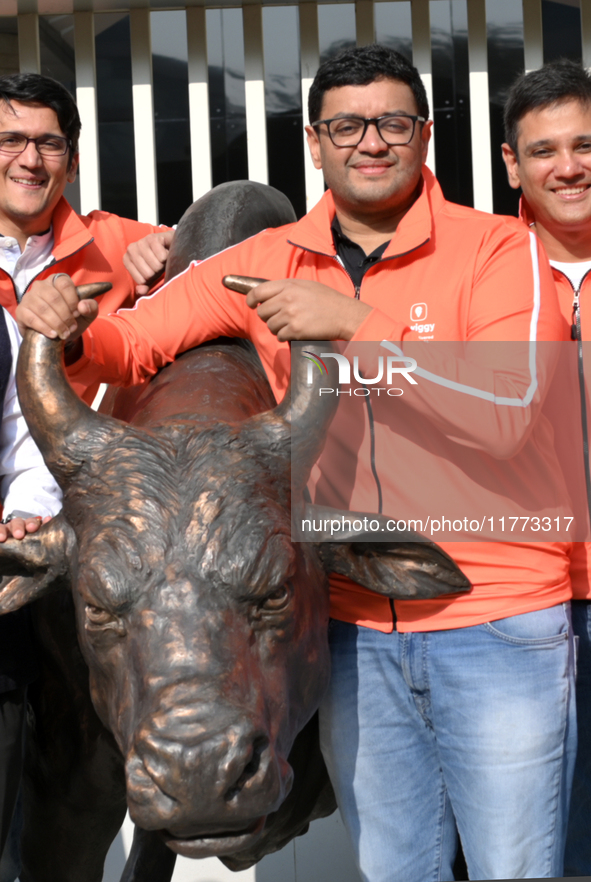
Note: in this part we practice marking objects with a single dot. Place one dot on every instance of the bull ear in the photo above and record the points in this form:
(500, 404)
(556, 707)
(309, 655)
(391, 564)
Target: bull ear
(410, 567)
(35, 565)
(403, 570)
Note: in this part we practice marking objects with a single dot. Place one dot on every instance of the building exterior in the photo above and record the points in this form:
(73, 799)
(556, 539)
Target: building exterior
(175, 97)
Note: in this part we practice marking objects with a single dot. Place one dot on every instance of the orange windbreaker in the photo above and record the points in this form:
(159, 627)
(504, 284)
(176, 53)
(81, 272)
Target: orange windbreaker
(89, 249)
(569, 396)
(481, 279)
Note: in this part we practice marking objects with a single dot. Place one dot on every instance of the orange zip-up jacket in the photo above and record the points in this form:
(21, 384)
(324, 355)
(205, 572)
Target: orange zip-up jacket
(89, 249)
(569, 396)
(481, 279)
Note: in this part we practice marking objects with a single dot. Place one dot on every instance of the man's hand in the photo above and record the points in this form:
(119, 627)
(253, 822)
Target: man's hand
(295, 309)
(17, 528)
(52, 307)
(145, 260)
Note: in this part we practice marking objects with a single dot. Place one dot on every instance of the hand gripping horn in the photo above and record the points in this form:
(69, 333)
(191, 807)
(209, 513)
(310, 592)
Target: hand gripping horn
(64, 428)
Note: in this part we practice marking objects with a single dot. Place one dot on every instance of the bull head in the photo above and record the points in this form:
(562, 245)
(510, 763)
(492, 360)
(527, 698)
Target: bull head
(203, 625)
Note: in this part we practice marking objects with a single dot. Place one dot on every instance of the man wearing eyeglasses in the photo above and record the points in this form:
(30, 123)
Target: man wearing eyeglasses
(454, 713)
(40, 233)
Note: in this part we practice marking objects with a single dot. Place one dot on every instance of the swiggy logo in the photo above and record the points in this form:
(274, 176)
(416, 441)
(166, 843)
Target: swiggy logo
(418, 312)
(418, 316)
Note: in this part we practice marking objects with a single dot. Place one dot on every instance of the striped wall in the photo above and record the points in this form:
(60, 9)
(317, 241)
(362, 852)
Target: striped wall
(142, 80)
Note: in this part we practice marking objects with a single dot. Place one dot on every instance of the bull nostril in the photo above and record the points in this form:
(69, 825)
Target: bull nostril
(250, 769)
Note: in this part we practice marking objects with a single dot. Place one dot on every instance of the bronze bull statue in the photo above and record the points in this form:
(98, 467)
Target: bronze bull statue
(199, 624)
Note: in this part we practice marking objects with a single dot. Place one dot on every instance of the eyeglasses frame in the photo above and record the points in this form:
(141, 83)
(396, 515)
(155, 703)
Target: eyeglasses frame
(369, 121)
(34, 141)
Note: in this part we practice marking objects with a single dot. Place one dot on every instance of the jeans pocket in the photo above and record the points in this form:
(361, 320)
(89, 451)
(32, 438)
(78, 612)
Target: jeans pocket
(542, 626)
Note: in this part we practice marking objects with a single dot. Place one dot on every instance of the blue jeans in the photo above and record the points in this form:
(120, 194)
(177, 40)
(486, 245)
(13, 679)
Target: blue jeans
(470, 730)
(577, 861)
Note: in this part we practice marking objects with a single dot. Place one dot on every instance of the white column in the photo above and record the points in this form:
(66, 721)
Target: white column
(479, 106)
(586, 31)
(533, 38)
(90, 185)
(143, 116)
(421, 56)
(28, 43)
(198, 101)
(309, 61)
(365, 22)
(254, 87)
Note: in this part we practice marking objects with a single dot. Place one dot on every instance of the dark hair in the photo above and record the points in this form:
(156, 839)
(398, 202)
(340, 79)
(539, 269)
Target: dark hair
(562, 80)
(360, 67)
(32, 88)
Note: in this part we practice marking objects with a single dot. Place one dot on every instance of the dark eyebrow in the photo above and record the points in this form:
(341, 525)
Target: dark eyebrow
(344, 115)
(546, 142)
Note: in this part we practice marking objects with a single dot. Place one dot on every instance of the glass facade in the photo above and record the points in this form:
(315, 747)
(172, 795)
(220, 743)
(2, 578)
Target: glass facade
(505, 62)
(451, 98)
(56, 44)
(56, 49)
(562, 29)
(394, 26)
(8, 44)
(171, 114)
(336, 28)
(227, 103)
(115, 114)
(283, 101)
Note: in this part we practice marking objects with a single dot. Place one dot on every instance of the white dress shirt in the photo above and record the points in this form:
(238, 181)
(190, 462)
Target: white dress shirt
(23, 267)
(26, 483)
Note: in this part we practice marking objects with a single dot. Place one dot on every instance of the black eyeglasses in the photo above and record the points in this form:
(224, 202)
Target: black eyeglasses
(348, 131)
(47, 145)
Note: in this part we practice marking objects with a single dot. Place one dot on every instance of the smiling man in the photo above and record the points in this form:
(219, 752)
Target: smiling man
(39, 230)
(548, 155)
(424, 729)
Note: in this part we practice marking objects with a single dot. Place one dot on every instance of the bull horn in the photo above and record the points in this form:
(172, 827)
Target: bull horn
(304, 408)
(64, 428)
(305, 414)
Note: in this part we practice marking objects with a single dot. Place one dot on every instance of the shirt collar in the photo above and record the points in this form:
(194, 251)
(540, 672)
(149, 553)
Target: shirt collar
(314, 232)
(37, 242)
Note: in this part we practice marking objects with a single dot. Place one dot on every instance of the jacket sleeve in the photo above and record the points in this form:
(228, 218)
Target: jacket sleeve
(486, 391)
(83, 374)
(193, 307)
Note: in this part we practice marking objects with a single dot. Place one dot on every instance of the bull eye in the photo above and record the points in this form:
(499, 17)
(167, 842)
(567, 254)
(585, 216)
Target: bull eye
(96, 617)
(278, 600)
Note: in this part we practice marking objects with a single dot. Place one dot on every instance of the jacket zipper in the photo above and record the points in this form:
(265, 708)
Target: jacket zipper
(370, 417)
(357, 288)
(576, 335)
(47, 265)
(55, 262)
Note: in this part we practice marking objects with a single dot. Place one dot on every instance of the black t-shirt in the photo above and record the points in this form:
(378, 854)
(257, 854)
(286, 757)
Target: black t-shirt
(354, 258)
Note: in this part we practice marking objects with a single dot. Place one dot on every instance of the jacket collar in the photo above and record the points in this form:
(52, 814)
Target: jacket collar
(313, 231)
(70, 234)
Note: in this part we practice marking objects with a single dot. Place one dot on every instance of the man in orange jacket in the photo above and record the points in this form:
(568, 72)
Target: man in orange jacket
(449, 714)
(548, 154)
(40, 233)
